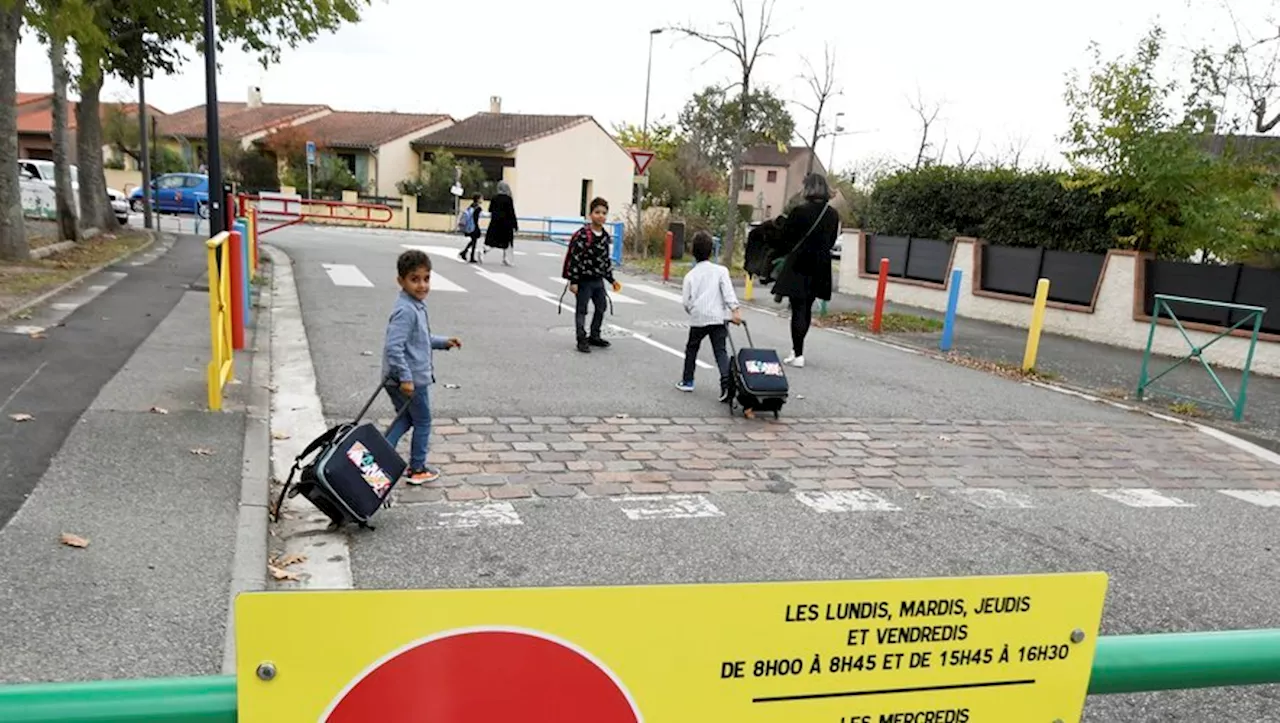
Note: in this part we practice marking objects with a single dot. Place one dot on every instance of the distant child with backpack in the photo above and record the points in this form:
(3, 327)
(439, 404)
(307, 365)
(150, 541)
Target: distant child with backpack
(469, 225)
(709, 301)
(587, 265)
(408, 370)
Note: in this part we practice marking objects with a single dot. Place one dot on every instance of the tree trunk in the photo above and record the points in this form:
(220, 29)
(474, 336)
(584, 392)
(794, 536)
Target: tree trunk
(94, 206)
(68, 223)
(13, 233)
(735, 176)
(813, 142)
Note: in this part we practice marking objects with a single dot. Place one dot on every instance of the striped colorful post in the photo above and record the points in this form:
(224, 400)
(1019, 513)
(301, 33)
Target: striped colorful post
(1037, 323)
(242, 225)
(234, 268)
(953, 300)
(882, 284)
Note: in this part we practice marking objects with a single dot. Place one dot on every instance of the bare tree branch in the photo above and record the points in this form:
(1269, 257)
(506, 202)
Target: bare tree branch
(822, 88)
(964, 159)
(928, 114)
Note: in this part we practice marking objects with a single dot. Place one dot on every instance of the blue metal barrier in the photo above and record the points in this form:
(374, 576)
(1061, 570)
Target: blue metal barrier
(561, 229)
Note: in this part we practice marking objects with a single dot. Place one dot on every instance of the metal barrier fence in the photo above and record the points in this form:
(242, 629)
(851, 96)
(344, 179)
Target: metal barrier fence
(560, 229)
(1122, 664)
(221, 361)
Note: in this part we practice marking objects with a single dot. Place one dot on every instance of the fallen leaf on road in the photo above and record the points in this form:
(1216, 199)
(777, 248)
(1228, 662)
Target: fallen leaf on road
(24, 316)
(270, 388)
(38, 335)
(279, 435)
(292, 558)
(21, 417)
(452, 386)
(944, 438)
(280, 574)
(622, 416)
(71, 540)
(366, 353)
(159, 410)
(202, 452)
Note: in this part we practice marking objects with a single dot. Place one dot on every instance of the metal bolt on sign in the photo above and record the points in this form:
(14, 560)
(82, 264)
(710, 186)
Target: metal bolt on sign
(1077, 636)
(266, 671)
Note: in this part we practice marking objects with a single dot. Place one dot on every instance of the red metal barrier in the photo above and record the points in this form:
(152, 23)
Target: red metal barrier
(298, 210)
(878, 314)
(234, 252)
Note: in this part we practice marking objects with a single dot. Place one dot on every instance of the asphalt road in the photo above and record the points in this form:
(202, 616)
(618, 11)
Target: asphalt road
(1211, 564)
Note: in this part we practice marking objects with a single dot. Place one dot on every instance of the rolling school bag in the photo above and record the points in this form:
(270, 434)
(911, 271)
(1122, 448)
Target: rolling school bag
(758, 378)
(352, 472)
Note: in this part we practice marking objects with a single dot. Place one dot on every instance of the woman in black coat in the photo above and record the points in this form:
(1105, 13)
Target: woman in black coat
(809, 234)
(502, 229)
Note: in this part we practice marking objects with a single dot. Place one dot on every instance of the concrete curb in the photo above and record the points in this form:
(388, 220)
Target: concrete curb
(249, 563)
(78, 279)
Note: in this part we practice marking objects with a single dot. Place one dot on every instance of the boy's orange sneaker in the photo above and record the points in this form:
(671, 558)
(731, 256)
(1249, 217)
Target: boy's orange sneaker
(422, 476)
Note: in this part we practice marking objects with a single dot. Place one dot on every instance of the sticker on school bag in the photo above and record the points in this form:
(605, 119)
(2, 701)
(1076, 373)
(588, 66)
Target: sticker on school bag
(769, 369)
(373, 475)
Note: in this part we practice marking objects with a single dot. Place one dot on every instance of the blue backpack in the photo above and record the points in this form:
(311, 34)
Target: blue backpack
(466, 221)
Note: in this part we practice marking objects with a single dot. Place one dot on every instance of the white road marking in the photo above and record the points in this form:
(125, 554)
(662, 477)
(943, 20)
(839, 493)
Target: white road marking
(1143, 498)
(18, 390)
(618, 298)
(845, 501)
(464, 515)
(440, 283)
(65, 306)
(521, 253)
(667, 507)
(347, 275)
(1261, 498)
(24, 329)
(992, 498)
(638, 337)
(550, 255)
(660, 293)
(447, 252)
(512, 283)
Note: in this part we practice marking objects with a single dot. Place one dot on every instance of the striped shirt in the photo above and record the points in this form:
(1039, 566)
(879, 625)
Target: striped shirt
(708, 294)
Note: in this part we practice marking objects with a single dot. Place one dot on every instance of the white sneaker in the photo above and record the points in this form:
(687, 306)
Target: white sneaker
(795, 361)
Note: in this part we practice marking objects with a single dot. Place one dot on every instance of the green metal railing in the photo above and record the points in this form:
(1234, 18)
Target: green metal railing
(1252, 314)
(1122, 664)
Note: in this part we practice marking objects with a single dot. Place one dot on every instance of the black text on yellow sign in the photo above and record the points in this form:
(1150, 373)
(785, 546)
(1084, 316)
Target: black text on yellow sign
(951, 650)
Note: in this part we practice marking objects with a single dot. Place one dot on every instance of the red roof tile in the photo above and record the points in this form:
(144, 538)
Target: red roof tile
(348, 129)
(41, 119)
(235, 120)
(30, 97)
(499, 131)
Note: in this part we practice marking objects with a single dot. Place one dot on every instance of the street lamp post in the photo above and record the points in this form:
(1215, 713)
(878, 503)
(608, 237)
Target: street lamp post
(839, 129)
(217, 215)
(640, 190)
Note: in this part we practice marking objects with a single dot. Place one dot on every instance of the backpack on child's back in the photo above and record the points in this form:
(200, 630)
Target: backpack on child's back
(466, 222)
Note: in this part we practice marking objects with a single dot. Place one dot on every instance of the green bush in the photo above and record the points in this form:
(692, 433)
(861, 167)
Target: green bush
(1002, 206)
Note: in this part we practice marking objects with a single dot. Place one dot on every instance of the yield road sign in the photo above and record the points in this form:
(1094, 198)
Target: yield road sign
(642, 159)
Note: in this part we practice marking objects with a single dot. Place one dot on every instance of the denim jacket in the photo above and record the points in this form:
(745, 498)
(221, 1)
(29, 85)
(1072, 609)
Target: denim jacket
(406, 355)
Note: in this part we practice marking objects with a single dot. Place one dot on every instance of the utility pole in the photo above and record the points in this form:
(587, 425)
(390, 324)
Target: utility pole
(145, 151)
(217, 214)
(834, 135)
(640, 190)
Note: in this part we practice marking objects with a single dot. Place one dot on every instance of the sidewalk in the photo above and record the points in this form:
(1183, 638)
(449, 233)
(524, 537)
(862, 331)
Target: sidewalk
(152, 480)
(1106, 371)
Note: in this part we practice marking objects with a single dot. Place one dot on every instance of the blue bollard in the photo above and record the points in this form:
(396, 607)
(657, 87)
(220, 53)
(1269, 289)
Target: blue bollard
(242, 226)
(953, 300)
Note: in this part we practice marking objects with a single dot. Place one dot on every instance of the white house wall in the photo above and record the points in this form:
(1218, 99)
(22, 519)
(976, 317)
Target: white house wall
(396, 160)
(550, 172)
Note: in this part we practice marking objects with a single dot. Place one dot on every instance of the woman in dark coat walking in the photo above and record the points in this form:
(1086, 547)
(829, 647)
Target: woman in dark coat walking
(809, 234)
(502, 229)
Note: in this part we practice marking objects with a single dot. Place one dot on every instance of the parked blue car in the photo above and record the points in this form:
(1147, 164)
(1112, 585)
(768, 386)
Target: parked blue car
(176, 193)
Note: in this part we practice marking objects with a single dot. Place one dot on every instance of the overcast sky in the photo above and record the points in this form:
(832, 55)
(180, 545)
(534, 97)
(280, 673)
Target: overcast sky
(997, 66)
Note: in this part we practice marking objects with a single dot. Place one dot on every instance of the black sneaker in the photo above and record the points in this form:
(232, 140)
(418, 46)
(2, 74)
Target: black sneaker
(599, 342)
(584, 347)
(724, 396)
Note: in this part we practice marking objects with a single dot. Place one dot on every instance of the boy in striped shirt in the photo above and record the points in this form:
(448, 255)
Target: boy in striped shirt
(709, 300)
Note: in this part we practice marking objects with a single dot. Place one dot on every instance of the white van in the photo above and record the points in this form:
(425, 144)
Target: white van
(43, 171)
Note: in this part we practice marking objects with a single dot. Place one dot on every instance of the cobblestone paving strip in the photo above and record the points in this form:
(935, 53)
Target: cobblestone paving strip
(507, 458)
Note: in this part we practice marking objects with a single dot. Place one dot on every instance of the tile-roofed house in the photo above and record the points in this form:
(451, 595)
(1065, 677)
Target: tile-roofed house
(35, 125)
(555, 163)
(771, 177)
(240, 121)
(374, 146)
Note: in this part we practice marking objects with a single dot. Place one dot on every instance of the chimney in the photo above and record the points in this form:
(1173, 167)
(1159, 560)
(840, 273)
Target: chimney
(495, 104)
(255, 97)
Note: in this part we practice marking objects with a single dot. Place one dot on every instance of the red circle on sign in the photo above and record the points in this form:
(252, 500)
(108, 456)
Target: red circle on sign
(483, 676)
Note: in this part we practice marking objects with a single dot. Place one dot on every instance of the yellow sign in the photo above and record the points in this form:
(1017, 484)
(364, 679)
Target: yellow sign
(952, 650)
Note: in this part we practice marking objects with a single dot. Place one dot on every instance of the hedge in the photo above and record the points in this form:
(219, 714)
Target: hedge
(1002, 206)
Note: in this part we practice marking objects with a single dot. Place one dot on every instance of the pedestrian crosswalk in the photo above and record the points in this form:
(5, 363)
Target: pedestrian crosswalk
(837, 503)
(351, 276)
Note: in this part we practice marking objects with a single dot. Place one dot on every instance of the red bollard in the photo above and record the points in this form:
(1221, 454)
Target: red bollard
(235, 266)
(666, 267)
(230, 207)
(878, 315)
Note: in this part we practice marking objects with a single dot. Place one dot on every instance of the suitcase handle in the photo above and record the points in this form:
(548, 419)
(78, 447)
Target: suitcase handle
(732, 348)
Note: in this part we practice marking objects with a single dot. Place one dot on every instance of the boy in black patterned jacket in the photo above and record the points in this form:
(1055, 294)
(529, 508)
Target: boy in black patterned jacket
(588, 264)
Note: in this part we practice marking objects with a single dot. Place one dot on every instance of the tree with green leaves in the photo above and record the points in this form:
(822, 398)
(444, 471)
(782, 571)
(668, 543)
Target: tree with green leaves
(1177, 198)
(711, 121)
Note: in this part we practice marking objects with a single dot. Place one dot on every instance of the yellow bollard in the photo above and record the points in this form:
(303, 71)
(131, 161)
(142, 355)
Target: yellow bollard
(1037, 322)
(748, 292)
